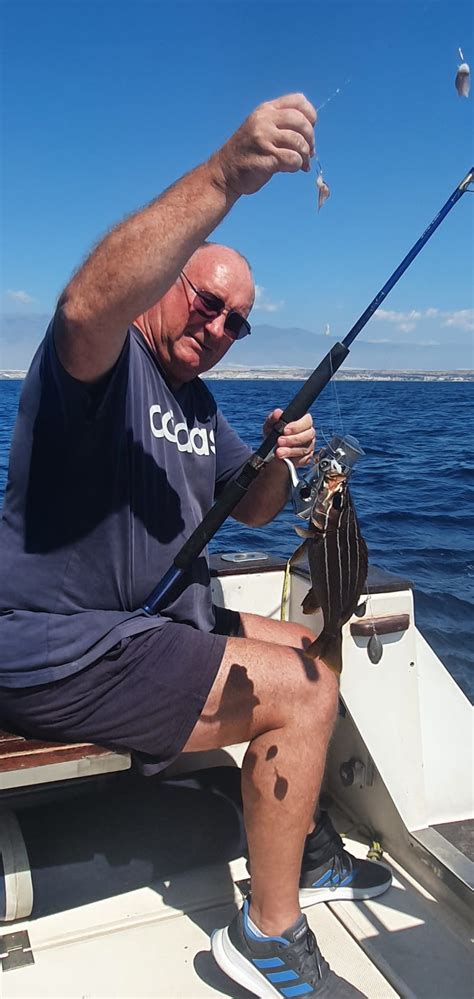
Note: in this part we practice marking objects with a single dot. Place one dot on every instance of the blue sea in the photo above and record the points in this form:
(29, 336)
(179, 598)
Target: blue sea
(413, 490)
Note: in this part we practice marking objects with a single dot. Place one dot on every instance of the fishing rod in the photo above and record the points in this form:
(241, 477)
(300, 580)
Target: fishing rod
(299, 405)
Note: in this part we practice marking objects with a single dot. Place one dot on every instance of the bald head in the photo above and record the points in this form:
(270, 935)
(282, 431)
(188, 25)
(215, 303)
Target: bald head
(186, 340)
(226, 258)
(209, 243)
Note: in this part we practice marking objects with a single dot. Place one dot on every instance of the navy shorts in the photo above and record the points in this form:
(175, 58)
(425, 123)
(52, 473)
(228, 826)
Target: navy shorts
(144, 696)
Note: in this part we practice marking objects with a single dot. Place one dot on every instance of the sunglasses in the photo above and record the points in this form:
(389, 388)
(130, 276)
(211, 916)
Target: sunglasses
(209, 306)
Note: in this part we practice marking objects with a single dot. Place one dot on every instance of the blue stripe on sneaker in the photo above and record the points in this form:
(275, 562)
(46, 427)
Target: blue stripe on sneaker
(297, 990)
(347, 881)
(322, 881)
(267, 962)
(282, 976)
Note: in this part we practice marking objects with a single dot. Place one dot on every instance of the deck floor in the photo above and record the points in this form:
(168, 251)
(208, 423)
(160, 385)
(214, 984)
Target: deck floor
(154, 942)
(460, 835)
(144, 945)
(124, 908)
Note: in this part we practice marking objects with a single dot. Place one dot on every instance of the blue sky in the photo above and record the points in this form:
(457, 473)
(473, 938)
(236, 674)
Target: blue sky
(106, 103)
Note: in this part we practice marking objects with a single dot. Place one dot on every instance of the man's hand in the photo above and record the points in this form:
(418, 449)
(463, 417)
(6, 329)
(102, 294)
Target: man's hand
(297, 441)
(278, 137)
(268, 494)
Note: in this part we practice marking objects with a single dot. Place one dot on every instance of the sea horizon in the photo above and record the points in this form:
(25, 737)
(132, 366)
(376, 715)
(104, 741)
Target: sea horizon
(278, 373)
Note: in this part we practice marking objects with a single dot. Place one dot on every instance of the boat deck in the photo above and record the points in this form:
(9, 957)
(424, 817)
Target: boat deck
(460, 835)
(128, 876)
(151, 937)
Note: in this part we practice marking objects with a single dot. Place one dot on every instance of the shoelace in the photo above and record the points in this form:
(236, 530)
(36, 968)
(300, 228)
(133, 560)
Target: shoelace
(306, 968)
(341, 866)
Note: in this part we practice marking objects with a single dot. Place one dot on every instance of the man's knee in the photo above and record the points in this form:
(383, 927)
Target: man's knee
(306, 690)
(322, 696)
(262, 686)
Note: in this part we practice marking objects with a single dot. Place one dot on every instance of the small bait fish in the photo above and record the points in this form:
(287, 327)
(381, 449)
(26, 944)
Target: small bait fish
(323, 190)
(336, 551)
(463, 77)
(322, 187)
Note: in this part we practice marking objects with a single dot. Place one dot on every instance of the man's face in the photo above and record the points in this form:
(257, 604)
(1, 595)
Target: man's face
(188, 343)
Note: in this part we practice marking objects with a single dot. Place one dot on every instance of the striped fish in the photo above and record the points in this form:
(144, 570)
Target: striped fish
(338, 562)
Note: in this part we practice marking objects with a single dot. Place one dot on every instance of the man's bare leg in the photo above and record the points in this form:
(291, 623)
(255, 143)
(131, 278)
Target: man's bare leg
(298, 636)
(284, 705)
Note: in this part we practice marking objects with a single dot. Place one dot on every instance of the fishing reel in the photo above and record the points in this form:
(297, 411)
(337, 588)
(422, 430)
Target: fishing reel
(338, 458)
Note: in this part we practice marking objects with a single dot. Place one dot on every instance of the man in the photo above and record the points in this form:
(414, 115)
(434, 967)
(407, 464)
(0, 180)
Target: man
(118, 451)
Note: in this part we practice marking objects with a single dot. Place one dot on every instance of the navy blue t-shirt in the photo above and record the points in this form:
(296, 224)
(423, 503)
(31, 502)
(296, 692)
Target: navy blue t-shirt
(106, 483)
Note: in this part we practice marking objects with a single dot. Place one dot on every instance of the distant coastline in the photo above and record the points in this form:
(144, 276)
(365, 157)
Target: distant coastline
(300, 374)
(348, 375)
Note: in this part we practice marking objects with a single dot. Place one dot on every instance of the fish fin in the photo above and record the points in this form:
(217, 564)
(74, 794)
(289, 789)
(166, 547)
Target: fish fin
(310, 603)
(328, 648)
(303, 532)
(299, 552)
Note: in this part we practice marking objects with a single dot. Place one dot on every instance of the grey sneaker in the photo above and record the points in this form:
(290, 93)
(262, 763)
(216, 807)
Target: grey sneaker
(343, 877)
(285, 966)
(329, 872)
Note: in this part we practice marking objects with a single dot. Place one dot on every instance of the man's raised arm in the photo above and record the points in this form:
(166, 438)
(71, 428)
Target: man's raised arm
(138, 261)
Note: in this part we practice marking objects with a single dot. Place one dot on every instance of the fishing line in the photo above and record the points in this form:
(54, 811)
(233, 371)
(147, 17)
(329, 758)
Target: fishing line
(374, 645)
(319, 170)
(321, 185)
(337, 422)
(368, 602)
(366, 609)
(334, 94)
(336, 399)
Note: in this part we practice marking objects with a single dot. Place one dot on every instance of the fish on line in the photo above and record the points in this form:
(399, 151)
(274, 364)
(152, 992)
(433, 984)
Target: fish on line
(463, 77)
(336, 551)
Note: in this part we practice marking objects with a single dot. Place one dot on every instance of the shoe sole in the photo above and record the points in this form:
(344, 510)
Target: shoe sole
(238, 968)
(311, 896)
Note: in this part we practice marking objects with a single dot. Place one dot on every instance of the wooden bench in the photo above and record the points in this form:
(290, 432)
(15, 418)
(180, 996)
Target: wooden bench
(26, 762)
(29, 765)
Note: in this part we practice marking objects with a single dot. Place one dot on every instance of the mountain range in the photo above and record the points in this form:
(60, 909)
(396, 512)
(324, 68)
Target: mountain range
(272, 346)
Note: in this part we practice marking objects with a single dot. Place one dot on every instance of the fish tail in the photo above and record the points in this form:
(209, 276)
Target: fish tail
(328, 648)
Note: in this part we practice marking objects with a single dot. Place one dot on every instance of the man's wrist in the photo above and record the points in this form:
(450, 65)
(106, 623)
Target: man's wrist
(220, 180)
